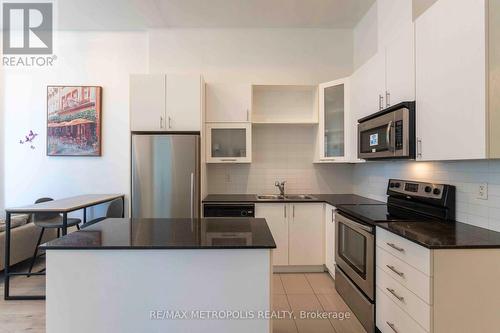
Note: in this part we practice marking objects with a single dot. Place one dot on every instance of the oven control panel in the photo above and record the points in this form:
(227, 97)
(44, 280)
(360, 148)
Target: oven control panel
(416, 189)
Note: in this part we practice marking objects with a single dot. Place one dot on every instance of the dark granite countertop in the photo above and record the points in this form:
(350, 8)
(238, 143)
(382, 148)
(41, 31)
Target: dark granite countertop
(210, 233)
(430, 233)
(444, 235)
(332, 199)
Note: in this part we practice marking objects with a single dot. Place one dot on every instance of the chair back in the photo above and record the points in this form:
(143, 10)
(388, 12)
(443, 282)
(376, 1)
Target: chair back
(44, 216)
(115, 208)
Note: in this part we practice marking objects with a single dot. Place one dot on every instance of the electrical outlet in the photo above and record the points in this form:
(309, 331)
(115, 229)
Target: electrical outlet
(482, 191)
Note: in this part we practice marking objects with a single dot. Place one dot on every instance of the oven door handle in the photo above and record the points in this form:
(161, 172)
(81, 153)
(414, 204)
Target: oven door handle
(388, 136)
(355, 225)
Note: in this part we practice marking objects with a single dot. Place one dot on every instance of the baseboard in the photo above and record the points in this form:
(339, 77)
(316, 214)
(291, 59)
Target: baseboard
(299, 269)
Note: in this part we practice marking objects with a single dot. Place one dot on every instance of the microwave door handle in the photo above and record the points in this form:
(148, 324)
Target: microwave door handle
(388, 136)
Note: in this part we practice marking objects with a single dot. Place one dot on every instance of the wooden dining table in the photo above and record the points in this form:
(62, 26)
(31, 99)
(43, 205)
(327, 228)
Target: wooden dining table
(61, 206)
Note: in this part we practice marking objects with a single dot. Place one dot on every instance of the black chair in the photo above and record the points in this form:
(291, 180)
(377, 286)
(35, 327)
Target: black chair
(49, 221)
(115, 209)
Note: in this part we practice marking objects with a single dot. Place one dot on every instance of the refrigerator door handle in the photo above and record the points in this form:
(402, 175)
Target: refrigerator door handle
(192, 195)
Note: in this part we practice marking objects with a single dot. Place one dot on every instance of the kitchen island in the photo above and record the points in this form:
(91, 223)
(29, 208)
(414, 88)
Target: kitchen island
(161, 275)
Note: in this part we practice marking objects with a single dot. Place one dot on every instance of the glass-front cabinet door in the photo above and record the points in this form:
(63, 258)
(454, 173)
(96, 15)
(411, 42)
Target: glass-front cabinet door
(333, 120)
(229, 143)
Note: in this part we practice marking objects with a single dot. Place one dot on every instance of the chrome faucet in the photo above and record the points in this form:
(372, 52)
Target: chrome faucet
(281, 186)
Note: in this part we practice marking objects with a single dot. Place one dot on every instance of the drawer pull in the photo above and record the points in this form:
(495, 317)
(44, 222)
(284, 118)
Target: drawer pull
(392, 268)
(395, 247)
(393, 292)
(392, 326)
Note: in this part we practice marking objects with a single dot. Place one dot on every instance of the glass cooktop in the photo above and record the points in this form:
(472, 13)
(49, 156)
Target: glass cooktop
(381, 213)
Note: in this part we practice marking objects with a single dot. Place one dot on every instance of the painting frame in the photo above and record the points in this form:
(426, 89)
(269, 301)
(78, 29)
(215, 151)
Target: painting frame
(75, 144)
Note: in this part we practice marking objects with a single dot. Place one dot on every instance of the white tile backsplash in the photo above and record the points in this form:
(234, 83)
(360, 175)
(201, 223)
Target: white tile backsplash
(280, 152)
(370, 180)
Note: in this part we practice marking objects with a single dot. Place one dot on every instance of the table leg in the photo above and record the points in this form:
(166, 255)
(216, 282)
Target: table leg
(7, 257)
(65, 224)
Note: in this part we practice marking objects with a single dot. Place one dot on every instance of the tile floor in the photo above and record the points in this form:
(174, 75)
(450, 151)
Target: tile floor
(311, 292)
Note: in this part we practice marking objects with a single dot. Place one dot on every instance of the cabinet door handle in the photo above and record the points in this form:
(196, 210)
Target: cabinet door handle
(293, 211)
(387, 99)
(395, 247)
(392, 268)
(393, 293)
(380, 102)
(392, 326)
(419, 148)
(161, 122)
(248, 115)
(169, 122)
(228, 160)
(333, 215)
(284, 210)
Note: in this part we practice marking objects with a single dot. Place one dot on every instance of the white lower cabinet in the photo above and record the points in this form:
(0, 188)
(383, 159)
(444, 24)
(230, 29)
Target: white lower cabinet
(305, 232)
(413, 305)
(435, 290)
(330, 239)
(298, 231)
(404, 285)
(391, 318)
(276, 217)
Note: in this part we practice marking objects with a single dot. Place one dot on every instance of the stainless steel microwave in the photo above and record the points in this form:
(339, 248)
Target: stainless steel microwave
(388, 134)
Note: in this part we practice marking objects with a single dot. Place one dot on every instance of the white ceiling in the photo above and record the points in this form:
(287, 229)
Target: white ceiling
(144, 14)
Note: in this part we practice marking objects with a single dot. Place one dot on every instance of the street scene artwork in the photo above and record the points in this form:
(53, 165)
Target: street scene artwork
(73, 121)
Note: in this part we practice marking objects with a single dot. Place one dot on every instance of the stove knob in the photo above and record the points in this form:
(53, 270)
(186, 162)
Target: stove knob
(398, 185)
(391, 185)
(436, 191)
(428, 189)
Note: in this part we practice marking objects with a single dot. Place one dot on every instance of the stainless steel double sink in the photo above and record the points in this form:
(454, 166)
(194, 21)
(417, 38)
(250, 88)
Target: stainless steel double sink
(273, 197)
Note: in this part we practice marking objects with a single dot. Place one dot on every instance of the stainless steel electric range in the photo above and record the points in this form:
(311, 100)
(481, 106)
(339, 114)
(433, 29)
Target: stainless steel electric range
(355, 237)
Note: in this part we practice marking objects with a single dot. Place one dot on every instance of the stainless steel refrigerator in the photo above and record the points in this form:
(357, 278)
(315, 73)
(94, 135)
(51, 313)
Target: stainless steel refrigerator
(165, 176)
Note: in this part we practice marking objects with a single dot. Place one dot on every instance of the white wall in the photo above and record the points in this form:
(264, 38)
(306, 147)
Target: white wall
(84, 58)
(280, 56)
(254, 55)
(280, 152)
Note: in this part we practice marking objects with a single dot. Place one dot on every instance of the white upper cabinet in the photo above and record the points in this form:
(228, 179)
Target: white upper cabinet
(284, 104)
(451, 78)
(397, 44)
(388, 77)
(160, 102)
(400, 67)
(147, 102)
(395, 17)
(184, 99)
(368, 87)
(229, 142)
(334, 121)
(228, 102)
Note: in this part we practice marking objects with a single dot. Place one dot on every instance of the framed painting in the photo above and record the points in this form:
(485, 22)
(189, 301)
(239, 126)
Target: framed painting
(74, 120)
